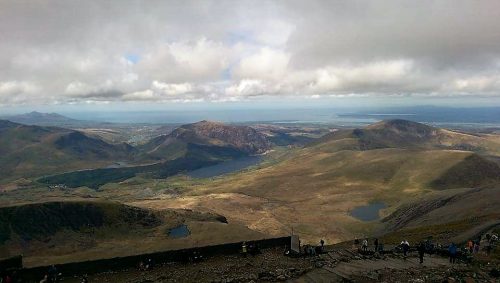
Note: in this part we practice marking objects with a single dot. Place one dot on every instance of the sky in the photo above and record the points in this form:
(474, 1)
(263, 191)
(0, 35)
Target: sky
(122, 54)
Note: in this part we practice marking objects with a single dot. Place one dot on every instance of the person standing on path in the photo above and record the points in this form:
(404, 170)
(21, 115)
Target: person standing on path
(470, 245)
(405, 245)
(452, 250)
(365, 245)
(421, 251)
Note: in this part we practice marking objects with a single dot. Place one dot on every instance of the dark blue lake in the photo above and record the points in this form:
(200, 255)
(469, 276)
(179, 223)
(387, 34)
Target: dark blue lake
(368, 212)
(181, 231)
(225, 167)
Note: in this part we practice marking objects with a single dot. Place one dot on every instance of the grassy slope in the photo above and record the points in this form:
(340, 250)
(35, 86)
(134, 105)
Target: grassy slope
(313, 191)
(34, 151)
(60, 231)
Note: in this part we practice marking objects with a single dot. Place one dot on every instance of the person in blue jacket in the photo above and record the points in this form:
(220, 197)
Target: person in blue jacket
(452, 250)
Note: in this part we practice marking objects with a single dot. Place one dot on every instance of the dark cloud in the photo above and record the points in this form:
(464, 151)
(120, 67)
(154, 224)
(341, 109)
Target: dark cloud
(230, 50)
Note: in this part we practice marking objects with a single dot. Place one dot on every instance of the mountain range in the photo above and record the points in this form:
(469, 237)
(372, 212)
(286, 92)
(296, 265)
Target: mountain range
(393, 162)
(29, 150)
(431, 181)
(41, 119)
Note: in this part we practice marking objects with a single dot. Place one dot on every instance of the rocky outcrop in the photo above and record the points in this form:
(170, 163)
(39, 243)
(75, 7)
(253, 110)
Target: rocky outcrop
(210, 139)
(241, 137)
(42, 220)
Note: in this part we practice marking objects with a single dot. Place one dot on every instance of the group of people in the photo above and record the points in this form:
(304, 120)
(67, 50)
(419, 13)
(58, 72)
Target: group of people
(312, 250)
(13, 276)
(9, 277)
(147, 265)
(428, 247)
(377, 246)
(471, 247)
(51, 276)
(250, 248)
(474, 246)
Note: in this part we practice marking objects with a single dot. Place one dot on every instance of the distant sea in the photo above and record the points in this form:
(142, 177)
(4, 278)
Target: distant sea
(482, 117)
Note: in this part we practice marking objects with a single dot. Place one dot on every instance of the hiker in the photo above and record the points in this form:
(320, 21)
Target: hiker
(429, 246)
(364, 247)
(7, 279)
(405, 245)
(421, 251)
(494, 237)
(244, 249)
(253, 249)
(15, 276)
(52, 274)
(452, 250)
(355, 244)
(141, 265)
(470, 246)
(476, 246)
(322, 243)
(488, 248)
(375, 243)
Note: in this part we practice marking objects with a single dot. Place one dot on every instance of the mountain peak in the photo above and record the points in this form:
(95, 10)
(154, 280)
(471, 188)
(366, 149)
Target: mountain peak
(400, 125)
(209, 133)
(207, 122)
(40, 118)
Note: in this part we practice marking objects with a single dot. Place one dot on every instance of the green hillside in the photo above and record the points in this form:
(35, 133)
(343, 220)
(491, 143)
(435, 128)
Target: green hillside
(315, 188)
(27, 151)
(41, 220)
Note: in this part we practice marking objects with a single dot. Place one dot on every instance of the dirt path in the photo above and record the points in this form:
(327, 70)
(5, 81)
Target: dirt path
(369, 268)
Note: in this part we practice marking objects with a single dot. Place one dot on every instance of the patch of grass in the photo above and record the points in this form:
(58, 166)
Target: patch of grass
(441, 233)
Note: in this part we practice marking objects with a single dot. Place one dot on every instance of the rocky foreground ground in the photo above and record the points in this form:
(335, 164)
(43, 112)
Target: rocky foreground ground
(337, 265)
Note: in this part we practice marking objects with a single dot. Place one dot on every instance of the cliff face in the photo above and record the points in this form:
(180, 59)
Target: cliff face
(41, 220)
(210, 135)
(241, 137)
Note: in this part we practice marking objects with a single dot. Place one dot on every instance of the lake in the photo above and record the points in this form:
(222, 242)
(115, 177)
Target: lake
(225, 167)
(181, 231)
(368, 212)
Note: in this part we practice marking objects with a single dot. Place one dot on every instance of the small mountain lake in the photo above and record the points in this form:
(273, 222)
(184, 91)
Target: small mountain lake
(225, 167)
(181, 231)
(368, 212)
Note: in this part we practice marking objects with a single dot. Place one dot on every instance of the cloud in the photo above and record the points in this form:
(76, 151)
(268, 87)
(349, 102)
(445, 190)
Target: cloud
(265, 64)
(107, 51)
(198, 60)
(487, 84)
(145, 95)
(247, 88)
(377, 76)
(172, 89)
(16, 91)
